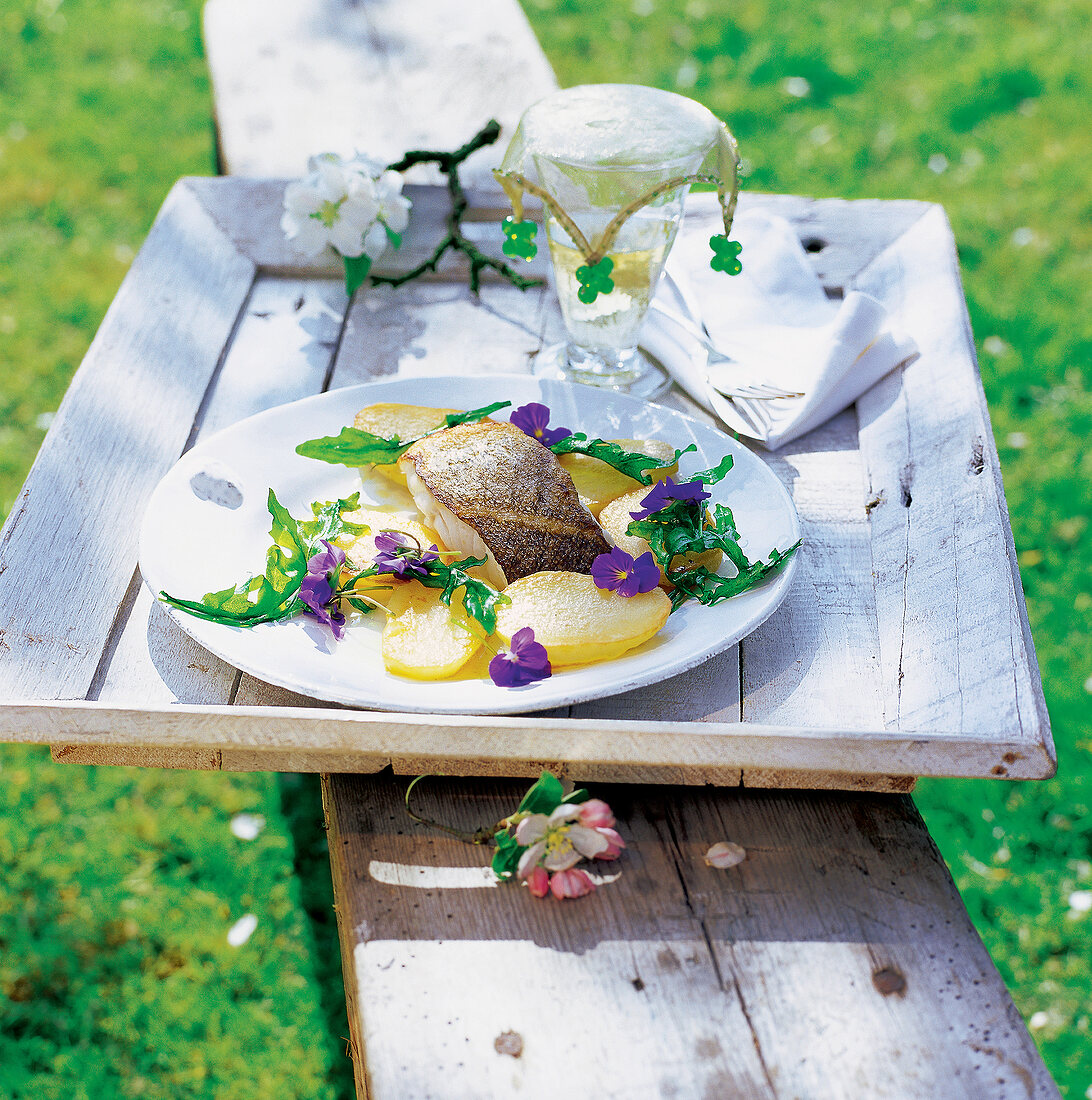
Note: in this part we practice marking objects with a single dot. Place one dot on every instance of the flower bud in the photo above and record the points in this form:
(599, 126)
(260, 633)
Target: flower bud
(615, 844)
(595, 813)
(570, 884)
(538, 882)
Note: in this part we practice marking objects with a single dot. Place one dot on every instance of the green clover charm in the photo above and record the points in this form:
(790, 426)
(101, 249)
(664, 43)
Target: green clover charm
(725, 254)
(519, 238)
(594, 280)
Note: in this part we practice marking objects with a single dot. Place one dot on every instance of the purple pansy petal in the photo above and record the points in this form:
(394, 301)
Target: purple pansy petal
(647, 572)
(315, 591)
(400, 554)
(532, 419)
(607, 570)
(524, 662)
(664, 492)
(529, 653)
(326, 560)
(618, 572)
(390, 542)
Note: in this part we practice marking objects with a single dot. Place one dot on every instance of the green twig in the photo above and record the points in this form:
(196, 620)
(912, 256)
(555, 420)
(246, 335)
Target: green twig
(479, 836)
(448, 163)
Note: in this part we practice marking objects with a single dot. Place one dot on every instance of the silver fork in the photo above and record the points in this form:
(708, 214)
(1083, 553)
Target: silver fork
(751, 391)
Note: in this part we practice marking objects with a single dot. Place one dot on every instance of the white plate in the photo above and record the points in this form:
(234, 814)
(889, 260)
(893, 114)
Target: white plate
(207, 527)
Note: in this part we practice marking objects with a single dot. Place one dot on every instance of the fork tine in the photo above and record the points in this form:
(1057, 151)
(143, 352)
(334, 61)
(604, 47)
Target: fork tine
(763, 392)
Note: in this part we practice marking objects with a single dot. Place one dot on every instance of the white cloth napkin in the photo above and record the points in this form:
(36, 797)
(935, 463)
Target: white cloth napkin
(778, 323)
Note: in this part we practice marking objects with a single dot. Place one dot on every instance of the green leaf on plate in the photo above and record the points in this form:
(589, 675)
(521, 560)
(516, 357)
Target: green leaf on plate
(634, 464)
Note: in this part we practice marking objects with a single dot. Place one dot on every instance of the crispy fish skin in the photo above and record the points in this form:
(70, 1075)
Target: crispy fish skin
(511, 492)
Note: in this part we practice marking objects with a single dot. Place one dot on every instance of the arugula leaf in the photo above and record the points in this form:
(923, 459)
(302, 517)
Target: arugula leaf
(709, 588)
(475, 414)
(634, 464)
(481, 600)
(356, 447)
(684, 527)
(271, 596)
(329, 522)
(717, 473)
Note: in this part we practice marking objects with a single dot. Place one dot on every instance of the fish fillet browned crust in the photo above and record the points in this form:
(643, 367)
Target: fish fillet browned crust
(488, 486)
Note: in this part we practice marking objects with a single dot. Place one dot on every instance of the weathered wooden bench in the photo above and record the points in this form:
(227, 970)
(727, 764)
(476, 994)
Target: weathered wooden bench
(838, 959)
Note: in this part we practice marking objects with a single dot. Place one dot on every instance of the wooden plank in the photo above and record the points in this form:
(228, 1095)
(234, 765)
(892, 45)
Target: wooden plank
(123, 422)
(281, 351)
(292, 78)
(601, 750)
(818, 654)
(836, 961)
(954, 636)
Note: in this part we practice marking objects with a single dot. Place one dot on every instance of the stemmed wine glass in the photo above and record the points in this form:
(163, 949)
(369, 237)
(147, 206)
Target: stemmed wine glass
(612, 164)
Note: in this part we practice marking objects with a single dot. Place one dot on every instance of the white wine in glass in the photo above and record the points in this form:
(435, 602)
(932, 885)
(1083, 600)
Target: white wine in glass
(611, 164)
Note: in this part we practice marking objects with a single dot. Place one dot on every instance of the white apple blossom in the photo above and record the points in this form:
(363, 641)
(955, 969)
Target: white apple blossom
(347, 205)
(558, 841)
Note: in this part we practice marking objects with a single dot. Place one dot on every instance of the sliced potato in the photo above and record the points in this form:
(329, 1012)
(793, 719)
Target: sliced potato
(361, 548)
(391, 420)
(615, 518)
(598, 484)
(424, 639)
(578, 623)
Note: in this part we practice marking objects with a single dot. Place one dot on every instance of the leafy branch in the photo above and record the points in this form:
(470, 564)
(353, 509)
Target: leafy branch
(448, 163)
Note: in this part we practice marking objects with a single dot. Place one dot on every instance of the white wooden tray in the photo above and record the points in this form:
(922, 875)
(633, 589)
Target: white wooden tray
(902, 650)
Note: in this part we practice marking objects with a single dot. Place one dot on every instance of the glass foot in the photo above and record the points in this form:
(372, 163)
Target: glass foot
(637, 373)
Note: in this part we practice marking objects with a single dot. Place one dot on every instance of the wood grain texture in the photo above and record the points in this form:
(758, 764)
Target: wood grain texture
(948, 593)
(598, 750)
(836, 961)
(292, 78)
(123, 422)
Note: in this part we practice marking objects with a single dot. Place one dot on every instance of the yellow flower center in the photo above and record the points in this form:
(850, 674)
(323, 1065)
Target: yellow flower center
(327, 212)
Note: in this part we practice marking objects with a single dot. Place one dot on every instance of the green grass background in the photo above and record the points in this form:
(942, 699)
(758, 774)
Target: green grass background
(117, 887)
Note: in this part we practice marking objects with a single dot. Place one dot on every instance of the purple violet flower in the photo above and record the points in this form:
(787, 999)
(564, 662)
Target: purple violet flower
(524, 662)
(326, 560)
(532, 419)
(664, 492)
(317, 592)
(618, 572)
(401, 554)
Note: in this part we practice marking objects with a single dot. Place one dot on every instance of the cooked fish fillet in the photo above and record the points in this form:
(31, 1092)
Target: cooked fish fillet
(491, 491)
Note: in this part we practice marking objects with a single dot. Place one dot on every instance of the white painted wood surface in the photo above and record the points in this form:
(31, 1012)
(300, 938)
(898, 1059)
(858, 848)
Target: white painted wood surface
(813, 686)
(836, 961)
(296, 77)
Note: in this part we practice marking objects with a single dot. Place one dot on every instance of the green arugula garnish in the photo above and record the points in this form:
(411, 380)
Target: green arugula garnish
(709, 588)
(355, 447)
(684, 527)
(481, 600)
(634, 464)
(272, 595)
